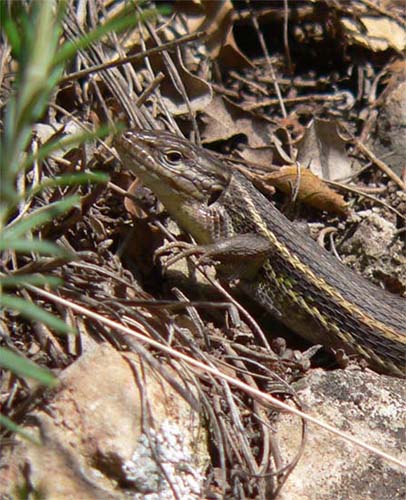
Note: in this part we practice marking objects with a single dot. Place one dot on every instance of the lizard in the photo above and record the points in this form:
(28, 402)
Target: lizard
(281, 268)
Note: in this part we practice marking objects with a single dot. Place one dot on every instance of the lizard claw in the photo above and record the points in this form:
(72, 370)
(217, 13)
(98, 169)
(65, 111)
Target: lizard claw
(169, 248)
(177, 250)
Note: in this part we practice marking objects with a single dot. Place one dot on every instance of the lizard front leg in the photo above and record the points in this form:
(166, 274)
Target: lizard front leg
(239, 256)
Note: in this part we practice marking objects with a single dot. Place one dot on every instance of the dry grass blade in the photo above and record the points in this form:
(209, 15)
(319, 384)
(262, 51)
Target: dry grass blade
(262, 397)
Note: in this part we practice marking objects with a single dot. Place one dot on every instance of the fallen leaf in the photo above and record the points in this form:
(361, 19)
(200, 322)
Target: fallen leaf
(375, 33)
(199, 92)
(323, 151)
(223, 120)
(216, 19)
(310, 188)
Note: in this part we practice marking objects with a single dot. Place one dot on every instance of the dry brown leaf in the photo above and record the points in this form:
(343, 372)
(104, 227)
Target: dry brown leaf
(323, 151)
(375, 33)
(310, 188)
(223, 119)
(199, 92)
(396, 74)
(134, 210)
(216, 19)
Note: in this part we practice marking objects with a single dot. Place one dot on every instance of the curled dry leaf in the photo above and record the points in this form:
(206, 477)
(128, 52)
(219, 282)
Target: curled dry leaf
(134, 210)
(47, 133)
(310, 188)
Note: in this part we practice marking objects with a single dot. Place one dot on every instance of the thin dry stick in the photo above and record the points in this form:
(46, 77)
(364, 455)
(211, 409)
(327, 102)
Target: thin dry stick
(249, 82)
(150, 89)
(379, 163)
(266, 398)
(359, 192)
(295, 100)
(285, 36)
(175, 75)
(135, 57)
(278, 92)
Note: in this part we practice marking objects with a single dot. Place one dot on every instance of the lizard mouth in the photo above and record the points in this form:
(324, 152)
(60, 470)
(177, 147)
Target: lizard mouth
(168, 163)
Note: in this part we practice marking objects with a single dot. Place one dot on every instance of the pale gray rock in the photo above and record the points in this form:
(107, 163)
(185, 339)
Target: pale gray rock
(366, 405)
(390, 138)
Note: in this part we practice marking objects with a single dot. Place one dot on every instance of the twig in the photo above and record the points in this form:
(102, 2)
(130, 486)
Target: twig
(135, 57)
(150, 89)
(204, 368)
(379, 163)
(359, 192)
(295, 100)
(286, 37)
(254, 20)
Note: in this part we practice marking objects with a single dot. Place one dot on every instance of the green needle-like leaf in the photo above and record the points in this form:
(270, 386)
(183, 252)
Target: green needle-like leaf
(39, 217)
(11, 426)
(30, 279)
(26, 368)
(34, 313)
(27, 246)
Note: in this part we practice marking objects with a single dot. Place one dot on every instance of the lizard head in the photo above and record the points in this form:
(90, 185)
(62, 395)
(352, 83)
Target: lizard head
(187, 179)
(164, 161)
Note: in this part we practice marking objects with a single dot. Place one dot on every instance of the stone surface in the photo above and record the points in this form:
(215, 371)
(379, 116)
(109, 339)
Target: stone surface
(92, 428)
(391, 128)
(95, 446)
(368, 406)
(375, 251)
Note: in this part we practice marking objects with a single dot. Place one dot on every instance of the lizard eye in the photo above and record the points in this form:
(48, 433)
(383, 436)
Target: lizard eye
(173, 157)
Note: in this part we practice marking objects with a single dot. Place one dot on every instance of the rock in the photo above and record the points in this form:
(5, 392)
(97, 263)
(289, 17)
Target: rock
(375, 252)
(391, 128)
(92, 431)
(368, 406)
